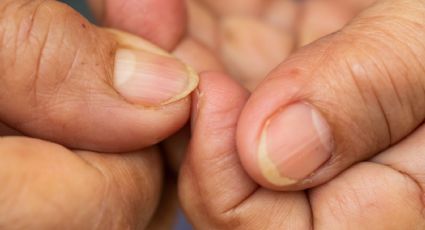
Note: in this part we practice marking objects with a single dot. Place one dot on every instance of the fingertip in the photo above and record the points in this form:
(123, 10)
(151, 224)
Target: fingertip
(217, 105)
(216, 92)
(267, 100)
(91, 111)
(220, 84)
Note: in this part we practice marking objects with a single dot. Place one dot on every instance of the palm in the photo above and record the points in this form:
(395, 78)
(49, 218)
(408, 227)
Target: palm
(252, 37)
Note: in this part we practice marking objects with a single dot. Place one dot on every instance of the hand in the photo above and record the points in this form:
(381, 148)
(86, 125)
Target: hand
(365, 82)
(338, 101)
(70, 82)
(60, 81)
(46, 186)
(250, 38)
(385, 192)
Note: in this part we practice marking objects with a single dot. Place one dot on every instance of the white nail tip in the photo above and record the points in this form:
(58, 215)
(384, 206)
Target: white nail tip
(269, 169)
(193, 81)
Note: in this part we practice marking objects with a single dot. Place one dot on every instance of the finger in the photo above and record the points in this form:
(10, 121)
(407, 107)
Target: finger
(244, 52)
(214, 190)
(68, 77)
(197, 55)
(211, 156)
(160, 21)
(392, 182)
(407, 158)
(338, 101)
(369, 196)
(401, 207)
(46, 186)
(202, 59)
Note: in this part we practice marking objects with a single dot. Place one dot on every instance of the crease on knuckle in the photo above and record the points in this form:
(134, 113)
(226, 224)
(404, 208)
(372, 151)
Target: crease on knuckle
(415, 178)
(218, 216)
(396, 82)
(105, 196)
(23, 43)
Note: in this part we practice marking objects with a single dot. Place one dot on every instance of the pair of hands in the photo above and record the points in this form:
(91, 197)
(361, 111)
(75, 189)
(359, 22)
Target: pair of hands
(69, 82)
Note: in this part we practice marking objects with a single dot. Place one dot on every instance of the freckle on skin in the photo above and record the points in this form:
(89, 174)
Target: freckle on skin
(83, 25)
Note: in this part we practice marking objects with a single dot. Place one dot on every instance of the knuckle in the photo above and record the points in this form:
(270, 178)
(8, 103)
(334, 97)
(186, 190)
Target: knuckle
(376, 80)
(26, 25)
(46, 49)
(386, 81)
(31, 34)
(230, 219)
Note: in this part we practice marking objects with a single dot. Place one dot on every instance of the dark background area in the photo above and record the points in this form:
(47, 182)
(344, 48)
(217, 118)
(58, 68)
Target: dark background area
(80, 5)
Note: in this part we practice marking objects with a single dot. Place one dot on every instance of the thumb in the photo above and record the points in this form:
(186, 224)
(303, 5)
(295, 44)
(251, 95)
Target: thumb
(67, 81)
(339, 100)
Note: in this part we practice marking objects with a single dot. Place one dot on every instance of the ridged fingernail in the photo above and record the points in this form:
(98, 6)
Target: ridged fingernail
(295, 142)
(146, 75)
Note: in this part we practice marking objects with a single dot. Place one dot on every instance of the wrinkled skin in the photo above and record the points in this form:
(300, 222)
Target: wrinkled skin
(46, 184)
(55, 70)
(65, 76)
(376, 179)
(249, 40)
(385, 192)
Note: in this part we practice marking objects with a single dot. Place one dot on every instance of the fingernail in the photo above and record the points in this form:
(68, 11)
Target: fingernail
(295, 142)
(151, 79)
(147, 75)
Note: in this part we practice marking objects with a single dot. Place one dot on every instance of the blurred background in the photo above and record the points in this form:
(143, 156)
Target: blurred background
(80, 5)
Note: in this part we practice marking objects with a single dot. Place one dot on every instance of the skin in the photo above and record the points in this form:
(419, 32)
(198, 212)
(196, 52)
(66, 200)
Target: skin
(375, 170)
(385, 192)
(53, 84)
(139, 174)
(47, 185)
(213, 157)
(356, 71)
(163, 22)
